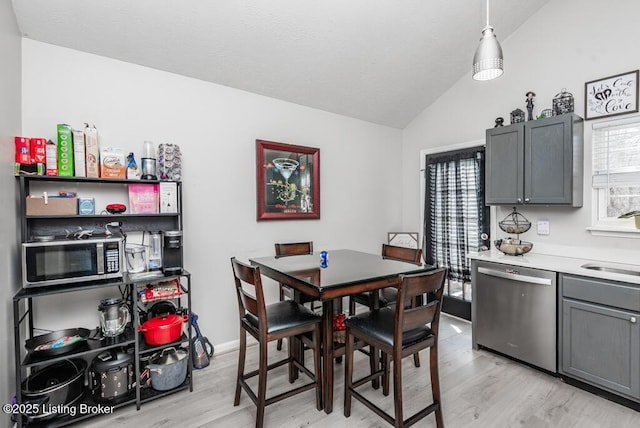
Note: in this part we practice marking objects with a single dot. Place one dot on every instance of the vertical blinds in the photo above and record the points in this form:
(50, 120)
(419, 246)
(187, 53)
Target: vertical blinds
(454, 210)
(616, 153)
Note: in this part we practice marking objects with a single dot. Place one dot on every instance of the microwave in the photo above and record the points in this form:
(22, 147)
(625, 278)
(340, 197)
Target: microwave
(71, 260)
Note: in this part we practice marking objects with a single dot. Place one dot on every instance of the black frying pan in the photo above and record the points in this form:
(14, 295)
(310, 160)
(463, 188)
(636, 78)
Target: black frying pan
(38, 345)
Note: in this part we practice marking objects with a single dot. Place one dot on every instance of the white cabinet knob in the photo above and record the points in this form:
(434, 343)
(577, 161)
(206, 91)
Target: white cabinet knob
(633, 320)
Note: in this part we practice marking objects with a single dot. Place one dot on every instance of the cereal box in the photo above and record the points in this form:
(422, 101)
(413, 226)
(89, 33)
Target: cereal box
(65, 151)
(92, 152)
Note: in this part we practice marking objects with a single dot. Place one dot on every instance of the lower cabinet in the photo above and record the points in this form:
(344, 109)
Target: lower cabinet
(600, 334)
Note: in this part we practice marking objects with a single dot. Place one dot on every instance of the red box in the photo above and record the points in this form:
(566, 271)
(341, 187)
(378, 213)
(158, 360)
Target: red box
(23, 151)
(37, 150)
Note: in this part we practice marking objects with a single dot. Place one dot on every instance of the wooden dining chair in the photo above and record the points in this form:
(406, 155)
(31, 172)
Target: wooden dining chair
(267, 323)
(399, 331)
(293, 249)
(388, 295)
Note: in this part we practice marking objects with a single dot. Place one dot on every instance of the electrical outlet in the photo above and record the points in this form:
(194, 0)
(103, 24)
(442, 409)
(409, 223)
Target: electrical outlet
(543, 227)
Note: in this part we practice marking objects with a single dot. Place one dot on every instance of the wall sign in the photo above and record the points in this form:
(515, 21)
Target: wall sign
(403, 239)
(288, 181)
(611, 96)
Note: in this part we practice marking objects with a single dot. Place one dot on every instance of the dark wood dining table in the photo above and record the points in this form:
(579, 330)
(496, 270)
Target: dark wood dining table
(346, 272)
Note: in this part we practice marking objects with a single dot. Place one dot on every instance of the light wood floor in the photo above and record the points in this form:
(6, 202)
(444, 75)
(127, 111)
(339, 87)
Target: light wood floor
(480, 389)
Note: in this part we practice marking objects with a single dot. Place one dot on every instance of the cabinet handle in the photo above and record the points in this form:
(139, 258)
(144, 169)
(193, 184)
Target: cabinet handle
(526, 199)
(519, 200)
(633, 320)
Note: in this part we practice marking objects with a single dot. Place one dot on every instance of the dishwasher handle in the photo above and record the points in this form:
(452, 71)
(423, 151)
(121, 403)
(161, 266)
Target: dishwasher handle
(514, 275)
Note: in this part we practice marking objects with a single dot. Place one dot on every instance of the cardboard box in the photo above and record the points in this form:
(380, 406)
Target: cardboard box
(168, 197)
(92, 151)
(51, 150)
(65, 151)
(143, 198)
(79, 154)
(53, 206)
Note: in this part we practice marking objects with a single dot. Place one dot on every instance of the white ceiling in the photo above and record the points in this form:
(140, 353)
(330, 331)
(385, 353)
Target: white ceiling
(383, 61)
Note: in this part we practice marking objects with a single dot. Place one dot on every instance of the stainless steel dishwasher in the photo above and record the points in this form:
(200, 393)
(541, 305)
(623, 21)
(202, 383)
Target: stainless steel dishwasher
(514, 312)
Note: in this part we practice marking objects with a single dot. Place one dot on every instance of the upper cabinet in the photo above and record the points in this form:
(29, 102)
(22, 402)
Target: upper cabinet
(537, 162)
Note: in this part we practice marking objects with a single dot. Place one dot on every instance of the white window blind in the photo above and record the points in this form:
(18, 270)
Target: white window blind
(616, 166)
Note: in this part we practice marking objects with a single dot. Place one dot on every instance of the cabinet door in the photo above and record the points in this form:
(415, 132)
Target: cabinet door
(504, 164)
(548, 161)
(601, 346)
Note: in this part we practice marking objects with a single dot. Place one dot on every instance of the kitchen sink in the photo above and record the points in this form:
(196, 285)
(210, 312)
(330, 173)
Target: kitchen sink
(611, 269)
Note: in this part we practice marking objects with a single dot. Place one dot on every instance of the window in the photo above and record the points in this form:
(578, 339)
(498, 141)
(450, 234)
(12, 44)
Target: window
(616, 170)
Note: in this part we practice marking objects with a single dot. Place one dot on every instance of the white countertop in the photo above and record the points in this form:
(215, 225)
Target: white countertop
(560, 264)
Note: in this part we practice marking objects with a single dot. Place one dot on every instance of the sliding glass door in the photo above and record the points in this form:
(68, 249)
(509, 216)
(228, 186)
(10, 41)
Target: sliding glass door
(456, 221)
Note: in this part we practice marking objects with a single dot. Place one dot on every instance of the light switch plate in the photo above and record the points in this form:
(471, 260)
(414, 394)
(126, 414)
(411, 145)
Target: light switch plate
(543, 227)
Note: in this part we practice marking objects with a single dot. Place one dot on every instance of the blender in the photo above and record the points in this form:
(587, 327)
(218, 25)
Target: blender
(114, 316)
(148, 161)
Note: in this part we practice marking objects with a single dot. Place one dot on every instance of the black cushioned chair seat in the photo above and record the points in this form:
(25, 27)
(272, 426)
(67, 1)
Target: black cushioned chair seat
(379, 325)
(284, 315)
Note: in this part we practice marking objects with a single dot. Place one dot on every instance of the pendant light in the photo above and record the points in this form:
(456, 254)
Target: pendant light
(487, 62)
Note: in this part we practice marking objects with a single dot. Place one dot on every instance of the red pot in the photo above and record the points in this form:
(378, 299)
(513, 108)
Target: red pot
(162, 330)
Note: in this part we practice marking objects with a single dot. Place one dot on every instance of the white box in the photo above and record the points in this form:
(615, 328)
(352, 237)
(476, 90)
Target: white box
(168, 197)
(79, 154)
(93, 151)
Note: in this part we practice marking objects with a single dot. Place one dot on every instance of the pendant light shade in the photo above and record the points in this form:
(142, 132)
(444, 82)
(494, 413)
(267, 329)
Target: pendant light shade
(487, 62)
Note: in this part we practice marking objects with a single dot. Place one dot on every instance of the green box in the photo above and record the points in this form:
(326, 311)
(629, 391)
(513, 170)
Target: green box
(65, 151)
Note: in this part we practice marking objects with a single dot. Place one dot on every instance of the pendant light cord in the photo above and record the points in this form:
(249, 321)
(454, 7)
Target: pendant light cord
(487, 13)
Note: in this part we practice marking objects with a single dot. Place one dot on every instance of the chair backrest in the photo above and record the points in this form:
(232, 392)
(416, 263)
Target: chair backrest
(418, 284)
(250, 297)
(294, 249)
(403, 254)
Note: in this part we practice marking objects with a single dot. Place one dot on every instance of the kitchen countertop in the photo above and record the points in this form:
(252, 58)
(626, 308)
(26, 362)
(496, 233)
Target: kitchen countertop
(560, 264)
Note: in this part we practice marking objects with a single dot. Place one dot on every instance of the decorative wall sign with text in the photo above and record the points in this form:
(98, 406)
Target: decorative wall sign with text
(403, 239)
(611, 96)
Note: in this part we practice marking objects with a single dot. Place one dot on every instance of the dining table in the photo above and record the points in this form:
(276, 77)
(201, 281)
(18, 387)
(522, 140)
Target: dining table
(328, 279)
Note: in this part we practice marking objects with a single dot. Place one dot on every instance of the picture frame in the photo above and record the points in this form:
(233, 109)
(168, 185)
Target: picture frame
(611, 96)
(404, 239)
(288, 181)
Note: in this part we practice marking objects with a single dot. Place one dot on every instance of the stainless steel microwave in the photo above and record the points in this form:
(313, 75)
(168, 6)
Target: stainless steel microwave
(71, 260)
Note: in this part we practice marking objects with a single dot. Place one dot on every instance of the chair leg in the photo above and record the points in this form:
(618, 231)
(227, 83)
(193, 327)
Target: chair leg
(397, 392)
(416, 359)
(279, 344)
(435, 384)
(292, 356)
(262, 385)
(241, 358)
(348, 374)
(352, 306)
(385, 375)
(317, 365)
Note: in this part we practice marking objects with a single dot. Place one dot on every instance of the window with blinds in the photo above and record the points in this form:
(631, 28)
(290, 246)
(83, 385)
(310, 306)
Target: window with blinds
(616, 167)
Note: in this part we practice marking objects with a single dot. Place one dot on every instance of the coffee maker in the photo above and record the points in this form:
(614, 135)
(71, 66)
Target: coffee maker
(172, 252)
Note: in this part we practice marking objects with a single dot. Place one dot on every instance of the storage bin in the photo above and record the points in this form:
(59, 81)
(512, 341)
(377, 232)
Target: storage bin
(54, 206)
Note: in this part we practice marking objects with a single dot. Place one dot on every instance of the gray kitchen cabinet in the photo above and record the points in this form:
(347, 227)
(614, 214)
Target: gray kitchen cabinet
(536, 162)
(600, 334)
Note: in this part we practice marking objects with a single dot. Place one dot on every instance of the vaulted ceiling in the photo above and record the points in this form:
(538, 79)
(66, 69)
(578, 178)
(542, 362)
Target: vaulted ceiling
(383, 61)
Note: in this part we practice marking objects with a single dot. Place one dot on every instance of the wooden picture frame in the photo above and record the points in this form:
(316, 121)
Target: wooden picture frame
(404, 239)
(611, 96)
(288, 181)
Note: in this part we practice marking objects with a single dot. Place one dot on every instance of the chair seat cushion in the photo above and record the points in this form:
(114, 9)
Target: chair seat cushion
(285, 315)
(379, 324)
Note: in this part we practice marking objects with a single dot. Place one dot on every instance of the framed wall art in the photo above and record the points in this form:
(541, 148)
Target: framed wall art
(611, 96)
(404, 239)
(288, 181)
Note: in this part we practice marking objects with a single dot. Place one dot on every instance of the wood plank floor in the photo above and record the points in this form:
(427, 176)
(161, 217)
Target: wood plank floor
(480, 390)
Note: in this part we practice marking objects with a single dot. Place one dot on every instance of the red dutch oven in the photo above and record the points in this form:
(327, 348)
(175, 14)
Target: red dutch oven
(162, 330)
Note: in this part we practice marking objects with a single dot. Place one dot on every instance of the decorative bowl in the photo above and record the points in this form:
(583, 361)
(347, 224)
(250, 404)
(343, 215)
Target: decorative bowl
(513, 247)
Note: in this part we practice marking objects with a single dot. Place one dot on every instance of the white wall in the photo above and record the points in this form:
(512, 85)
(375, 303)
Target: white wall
(564, 45)
(9, 127)
(216, 128)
